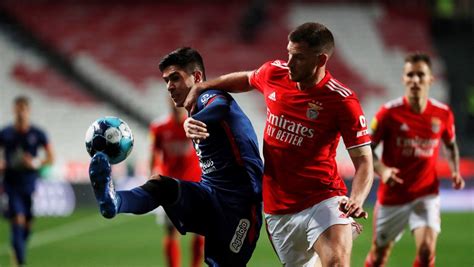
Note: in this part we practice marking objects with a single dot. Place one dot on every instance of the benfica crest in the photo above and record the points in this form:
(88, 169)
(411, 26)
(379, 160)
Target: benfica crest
(313, 110)
(435, 124)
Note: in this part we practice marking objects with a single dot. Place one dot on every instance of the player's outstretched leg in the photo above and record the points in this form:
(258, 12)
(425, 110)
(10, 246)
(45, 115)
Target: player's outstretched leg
(99, 173)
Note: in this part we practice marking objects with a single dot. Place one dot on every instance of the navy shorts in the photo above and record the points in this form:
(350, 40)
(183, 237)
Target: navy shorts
(230, 223)
(19, 203)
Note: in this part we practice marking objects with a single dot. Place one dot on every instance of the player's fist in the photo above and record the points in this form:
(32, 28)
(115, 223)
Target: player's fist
(190, 101)
(458, 181)
(389, 176)
(352, 208)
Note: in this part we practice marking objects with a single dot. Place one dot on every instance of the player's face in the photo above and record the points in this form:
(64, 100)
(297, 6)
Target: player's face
(22, 112)
(417, 79)
(178, 82)
(302, 62)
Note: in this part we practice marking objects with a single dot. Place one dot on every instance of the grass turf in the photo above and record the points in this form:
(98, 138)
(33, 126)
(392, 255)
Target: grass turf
(86, 239)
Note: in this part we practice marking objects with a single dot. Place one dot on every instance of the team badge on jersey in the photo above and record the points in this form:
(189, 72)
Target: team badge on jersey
(313, 110)
(435, 124)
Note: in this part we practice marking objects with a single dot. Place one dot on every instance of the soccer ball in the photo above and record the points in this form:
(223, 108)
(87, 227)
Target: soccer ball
(111, 136)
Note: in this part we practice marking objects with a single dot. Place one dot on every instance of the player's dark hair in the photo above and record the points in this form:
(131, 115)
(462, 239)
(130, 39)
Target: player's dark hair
(22, 100)
(316, 35)
(185, 58)
(417, 57)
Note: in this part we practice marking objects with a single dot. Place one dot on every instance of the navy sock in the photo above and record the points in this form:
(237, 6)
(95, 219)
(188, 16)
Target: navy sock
(26, 233)
(18, 242)
(136, 201)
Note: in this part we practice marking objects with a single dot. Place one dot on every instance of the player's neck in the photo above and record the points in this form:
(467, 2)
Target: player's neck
(313, 80)
(22, 126)
(418, 105)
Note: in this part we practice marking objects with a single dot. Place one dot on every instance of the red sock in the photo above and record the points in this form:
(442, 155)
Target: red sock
(368, 261)
(173, 254)
(198, 251)
(418, 263)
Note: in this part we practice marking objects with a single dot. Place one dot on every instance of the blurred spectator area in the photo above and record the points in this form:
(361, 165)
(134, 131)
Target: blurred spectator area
(117, 46)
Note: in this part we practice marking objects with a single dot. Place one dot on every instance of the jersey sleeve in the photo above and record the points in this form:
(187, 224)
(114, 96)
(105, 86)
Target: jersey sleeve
(259, 76)
(352, 124)
(449, 134)
(213, 106)
(377, 128)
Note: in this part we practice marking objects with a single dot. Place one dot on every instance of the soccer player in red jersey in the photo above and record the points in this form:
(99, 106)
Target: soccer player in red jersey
(172, 154)
(411, 128)
(308, 111)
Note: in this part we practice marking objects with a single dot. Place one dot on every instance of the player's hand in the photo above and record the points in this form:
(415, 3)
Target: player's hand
(30, 162)
(389, 176)
(352, 208)
(191, 98)
(458, 181)
(195, 130)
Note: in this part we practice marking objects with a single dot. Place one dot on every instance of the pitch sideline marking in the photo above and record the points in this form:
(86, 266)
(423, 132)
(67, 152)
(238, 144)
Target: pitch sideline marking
(65, 231)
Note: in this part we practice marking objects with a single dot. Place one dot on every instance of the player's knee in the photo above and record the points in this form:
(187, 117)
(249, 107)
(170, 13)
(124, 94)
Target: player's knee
(164, 189)
(336, 256)
(19, 219)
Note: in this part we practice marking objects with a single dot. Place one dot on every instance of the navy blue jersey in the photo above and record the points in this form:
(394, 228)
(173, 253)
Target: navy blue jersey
(229, 157)
(15, 145)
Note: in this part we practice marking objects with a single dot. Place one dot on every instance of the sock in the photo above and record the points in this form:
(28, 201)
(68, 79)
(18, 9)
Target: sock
(419, 263)
(368, 261)
(26, 233)
(172, 251)
(18, 242)
(198, 253)
(136, 201)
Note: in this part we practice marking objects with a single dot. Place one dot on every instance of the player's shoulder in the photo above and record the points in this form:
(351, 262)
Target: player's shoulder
(338, 90)
(393, 103)
(274, 68)
(438, 104)
(159, 122)
(5, 129)
(37, 130)
(207, 95)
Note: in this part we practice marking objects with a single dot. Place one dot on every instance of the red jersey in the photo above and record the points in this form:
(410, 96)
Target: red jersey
(411, 144)
(179, 159)
(301, 135)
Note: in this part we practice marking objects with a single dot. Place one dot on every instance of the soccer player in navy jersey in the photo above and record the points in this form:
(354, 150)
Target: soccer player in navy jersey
(21, 143)
(225, 206)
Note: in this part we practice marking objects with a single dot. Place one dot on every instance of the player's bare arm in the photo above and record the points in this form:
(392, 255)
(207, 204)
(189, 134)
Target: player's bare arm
(195, 130)
(388, 175)
(236, 82)
(364, 175)
(453, 159)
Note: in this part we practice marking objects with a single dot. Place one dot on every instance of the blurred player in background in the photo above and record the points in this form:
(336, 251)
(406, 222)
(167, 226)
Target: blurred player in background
(172, 154)
(225, 206)
(21, 143)
(411, 128)
(308, 110)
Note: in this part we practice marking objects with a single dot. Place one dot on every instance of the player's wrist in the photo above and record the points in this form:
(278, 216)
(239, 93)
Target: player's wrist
(36, 163)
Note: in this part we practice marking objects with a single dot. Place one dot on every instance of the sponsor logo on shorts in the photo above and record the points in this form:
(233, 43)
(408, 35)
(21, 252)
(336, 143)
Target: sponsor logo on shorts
(239, 236)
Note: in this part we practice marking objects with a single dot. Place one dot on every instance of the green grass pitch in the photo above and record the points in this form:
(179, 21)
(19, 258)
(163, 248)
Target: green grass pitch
(86, 239)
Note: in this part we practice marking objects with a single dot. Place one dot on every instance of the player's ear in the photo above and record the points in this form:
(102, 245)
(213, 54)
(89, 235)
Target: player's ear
(322, 59)
(198, 76)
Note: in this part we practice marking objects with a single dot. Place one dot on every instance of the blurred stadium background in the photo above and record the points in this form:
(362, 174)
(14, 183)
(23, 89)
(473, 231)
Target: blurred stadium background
(82, 59)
